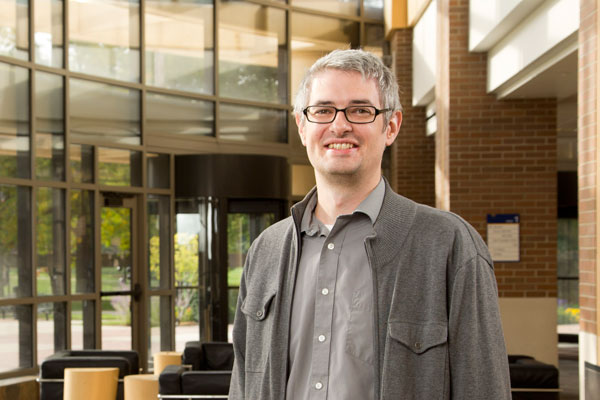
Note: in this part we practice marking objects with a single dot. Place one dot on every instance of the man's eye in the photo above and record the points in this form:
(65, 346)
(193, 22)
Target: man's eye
(322, 111)
(361, 111)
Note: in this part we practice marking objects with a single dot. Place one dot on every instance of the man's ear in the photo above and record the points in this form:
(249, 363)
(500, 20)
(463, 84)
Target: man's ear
(300, 124)
(392, 128)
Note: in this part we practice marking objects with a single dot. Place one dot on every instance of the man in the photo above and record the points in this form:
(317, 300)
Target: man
(362, 293)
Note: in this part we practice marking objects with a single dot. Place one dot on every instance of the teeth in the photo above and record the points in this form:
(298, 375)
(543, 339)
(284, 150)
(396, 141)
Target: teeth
(341, 146)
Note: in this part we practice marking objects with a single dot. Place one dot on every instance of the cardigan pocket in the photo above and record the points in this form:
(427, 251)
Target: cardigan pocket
(418, 337)
(415, 360)
(259, 324)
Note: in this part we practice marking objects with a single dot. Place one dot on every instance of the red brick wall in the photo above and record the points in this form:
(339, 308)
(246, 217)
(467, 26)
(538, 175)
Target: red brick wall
(413, 153)
(501, 159)
(587, 96)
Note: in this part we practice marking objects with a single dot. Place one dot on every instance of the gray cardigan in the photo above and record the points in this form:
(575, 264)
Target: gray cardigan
(438, 333)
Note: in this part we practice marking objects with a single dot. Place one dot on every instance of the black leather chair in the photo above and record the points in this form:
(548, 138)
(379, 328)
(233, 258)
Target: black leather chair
(531, 379)
(52, 368)
(211, 365)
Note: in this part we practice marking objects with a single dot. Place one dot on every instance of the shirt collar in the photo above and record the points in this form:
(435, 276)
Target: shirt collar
(371, 206)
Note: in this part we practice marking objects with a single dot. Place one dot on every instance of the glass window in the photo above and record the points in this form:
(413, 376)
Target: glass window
(82, 163)
(159, 241)
(50, 240)
(347, 7)
(49, 33)
(252, 52)
(104, 38)
(568, 271)
(160, 325)
(51, 328)
(180, 44)
(118, 167)
(15, 242)
(83, 319)
(314, 36)
(116, 323)
(374, 39)
(187, 318)
(168, 114)
(242, 229)
(82, 241)
(14, 29)
(252, 124)
(14, 121)
(16, 337)
(373, 9)
(105, 112)
(159, 170)
(50, 127)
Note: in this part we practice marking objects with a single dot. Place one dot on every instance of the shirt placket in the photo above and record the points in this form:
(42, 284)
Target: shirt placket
(324, 306)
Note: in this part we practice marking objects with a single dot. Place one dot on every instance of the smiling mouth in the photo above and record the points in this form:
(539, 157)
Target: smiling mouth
(340, 146)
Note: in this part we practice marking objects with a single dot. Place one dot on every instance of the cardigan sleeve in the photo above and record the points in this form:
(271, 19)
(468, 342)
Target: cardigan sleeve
(477, 351)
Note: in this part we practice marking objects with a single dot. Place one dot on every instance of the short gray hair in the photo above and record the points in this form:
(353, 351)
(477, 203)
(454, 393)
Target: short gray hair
(363, 62)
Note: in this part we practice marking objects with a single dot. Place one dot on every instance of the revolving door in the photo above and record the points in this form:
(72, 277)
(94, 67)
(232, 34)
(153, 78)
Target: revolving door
(223, 202)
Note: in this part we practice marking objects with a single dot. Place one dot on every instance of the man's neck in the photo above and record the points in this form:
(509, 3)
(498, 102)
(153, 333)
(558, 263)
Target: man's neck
(341, 196)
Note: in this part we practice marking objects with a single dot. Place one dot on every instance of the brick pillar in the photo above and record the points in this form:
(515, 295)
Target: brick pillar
(588, 136)
(413, 153)
(501, 157)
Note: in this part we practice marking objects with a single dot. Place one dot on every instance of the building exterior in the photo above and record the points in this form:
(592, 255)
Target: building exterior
(102, 245)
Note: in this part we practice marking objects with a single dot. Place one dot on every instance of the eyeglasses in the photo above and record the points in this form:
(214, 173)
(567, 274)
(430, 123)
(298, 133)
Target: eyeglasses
(354, 114)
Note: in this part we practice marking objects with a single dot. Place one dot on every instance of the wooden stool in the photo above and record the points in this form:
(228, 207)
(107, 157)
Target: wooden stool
(91, 383)
(141, 387)
(164, 358)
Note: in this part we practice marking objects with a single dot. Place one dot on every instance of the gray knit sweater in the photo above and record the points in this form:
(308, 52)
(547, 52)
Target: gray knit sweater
(438, 333)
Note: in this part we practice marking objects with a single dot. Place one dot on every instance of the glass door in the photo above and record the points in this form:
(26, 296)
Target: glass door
(245, 221)
(120, 290)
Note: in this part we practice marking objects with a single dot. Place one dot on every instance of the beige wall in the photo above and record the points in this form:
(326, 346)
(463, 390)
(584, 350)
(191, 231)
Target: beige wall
(527, 323)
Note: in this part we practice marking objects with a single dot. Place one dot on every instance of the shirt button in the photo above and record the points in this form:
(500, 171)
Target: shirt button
(318, 386)
(331, 246)
(418, 345)
(259, 314)
(321, 338)
(325, 292)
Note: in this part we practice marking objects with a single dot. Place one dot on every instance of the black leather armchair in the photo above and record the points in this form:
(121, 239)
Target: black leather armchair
(210, 376)
(531, 379)
(52, 368)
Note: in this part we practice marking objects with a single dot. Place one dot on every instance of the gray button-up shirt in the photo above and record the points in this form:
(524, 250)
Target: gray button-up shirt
(331, 335)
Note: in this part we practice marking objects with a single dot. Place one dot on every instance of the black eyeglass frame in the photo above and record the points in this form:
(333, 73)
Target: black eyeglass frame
(377, 112)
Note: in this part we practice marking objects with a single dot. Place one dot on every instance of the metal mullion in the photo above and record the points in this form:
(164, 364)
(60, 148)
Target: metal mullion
(5, 180)
(290, 89)
(108, 81)
(17, 301)
(66, 36)
(105, 143)
(160, 192)
(262, 104)
(269, 3)
(353, 18)
(49, 184)
(30, 30)
(172, 218)
(97, 265)
(159, 292)
(121, 189)
(15, 61)
(216, 47)
(181, 93)
(142, 44)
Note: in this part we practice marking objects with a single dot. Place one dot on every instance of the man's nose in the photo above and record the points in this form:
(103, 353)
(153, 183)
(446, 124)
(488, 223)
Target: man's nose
(340, 123)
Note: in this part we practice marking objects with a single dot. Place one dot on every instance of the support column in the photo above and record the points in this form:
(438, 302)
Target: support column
(499, 157)
(589, 202)
(413, 153)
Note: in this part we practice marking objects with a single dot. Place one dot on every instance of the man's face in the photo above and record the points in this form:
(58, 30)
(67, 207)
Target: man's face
(341, 148)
